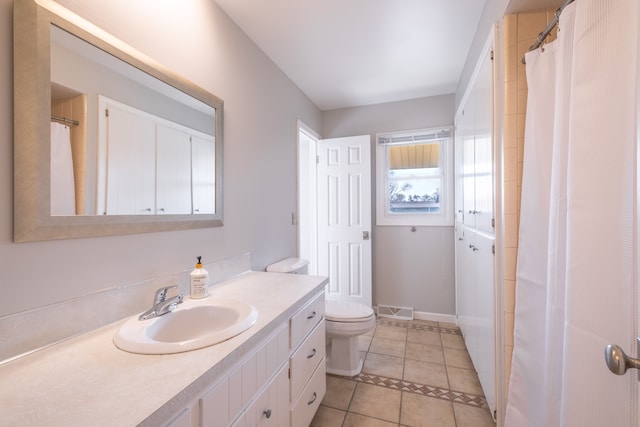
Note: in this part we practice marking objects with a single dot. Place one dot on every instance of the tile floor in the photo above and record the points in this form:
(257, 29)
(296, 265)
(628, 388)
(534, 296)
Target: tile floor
(416, 373)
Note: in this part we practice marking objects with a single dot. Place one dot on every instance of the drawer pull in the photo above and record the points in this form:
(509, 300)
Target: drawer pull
(267, 413)
(312, 315)
(313, 399)
(313, 353)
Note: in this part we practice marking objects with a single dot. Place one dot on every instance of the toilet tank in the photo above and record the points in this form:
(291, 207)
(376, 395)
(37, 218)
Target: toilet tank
(289, 265)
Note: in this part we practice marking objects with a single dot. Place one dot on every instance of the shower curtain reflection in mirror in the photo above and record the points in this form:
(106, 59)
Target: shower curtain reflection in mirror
(63, 199)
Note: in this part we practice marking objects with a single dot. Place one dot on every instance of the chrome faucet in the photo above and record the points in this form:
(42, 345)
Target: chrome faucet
(162, 305)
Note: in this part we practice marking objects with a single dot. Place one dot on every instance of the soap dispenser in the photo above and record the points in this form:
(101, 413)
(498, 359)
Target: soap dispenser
(199, 280)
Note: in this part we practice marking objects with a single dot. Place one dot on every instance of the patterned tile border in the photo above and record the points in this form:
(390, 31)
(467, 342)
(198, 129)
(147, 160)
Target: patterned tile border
(420, 326)
(423, 389)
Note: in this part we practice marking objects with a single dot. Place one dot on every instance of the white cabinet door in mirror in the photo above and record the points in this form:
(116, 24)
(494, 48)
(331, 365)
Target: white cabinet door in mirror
(173, 174)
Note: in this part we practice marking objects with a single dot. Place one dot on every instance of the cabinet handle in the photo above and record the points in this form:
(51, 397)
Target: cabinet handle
(313, 353)
(267, 413)
(313, 399)
(312, 315)
(473, 248)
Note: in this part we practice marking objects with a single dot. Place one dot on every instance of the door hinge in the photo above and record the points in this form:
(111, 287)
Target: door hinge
(493, 222)
(317, 160)
(106, 112)
(493, 249)
(492, 55)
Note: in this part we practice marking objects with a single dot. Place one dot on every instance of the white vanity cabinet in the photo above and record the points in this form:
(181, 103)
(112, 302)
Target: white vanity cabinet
(270, 375)
(280, 383)
(307, 363)
(250, 391)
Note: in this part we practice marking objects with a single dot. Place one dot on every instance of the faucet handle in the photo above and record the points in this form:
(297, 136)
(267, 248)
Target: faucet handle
(161, 294)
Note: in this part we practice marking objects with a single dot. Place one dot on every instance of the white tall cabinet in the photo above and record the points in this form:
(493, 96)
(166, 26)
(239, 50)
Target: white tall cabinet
(475, 223)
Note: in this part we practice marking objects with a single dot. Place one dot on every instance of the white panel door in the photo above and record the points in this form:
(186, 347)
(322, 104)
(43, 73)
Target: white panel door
(344, 217)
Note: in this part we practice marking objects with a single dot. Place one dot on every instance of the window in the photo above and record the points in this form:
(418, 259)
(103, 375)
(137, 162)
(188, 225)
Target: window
(415, 178)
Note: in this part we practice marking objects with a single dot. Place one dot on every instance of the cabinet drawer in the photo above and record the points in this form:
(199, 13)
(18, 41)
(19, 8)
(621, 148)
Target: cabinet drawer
(307, 404)
(306, 319)
(306, 358)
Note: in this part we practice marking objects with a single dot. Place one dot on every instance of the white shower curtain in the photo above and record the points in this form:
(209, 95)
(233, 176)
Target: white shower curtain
(63, 199)
(575, 274)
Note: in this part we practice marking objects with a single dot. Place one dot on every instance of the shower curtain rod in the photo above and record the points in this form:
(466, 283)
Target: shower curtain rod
(543, 35)
(65, 120)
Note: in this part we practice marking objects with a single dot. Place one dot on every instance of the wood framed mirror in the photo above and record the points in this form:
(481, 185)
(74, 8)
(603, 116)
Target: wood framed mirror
(144, 146)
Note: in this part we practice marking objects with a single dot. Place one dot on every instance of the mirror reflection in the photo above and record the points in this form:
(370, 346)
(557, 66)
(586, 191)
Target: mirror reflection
(141, 147)
(122, 141)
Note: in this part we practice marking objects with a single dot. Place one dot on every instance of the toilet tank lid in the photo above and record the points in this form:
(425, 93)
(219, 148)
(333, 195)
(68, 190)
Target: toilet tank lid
(288, 265)
(337, 310)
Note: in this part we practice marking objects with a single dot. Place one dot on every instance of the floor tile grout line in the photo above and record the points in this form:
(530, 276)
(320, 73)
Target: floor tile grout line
(349, 411)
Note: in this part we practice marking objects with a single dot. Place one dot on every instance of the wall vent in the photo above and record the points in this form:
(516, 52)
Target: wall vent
(399, 313)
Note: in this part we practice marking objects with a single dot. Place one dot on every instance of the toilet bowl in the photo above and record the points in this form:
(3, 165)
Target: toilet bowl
(344, 322)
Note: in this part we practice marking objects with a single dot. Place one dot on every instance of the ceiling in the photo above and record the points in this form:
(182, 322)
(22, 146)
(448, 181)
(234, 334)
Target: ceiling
(360, 52)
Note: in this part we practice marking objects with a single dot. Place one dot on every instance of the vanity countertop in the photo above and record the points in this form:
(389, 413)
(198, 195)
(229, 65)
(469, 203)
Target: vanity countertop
(87, 380)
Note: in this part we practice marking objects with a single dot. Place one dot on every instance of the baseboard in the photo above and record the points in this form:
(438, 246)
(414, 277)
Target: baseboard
(436, 317)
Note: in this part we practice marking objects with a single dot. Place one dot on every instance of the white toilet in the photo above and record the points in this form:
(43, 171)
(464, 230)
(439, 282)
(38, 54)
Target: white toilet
(344, 322)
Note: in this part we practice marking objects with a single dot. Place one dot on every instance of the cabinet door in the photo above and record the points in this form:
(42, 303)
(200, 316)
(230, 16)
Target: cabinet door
(465, 293)
(474, 132)
(485, 329)
(131, 142)
(271, 407)
(468, 163)
(203, 175)
(173, 170)
(461, 130)
(483, 146)
(215, 406)
(475, 299)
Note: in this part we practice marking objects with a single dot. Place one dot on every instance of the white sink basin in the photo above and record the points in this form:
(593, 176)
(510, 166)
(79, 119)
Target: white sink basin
(192, 325)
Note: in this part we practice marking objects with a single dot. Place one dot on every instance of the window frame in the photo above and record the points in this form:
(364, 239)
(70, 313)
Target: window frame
(384, 216)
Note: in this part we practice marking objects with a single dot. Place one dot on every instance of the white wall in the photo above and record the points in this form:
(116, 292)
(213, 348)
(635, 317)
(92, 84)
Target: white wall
(410, 269)
(197, 40)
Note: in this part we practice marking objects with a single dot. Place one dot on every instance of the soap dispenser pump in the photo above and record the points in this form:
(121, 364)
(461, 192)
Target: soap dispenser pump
(199, 280)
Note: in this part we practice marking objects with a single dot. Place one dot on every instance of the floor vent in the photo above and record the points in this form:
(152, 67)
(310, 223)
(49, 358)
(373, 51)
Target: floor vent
(400, 313)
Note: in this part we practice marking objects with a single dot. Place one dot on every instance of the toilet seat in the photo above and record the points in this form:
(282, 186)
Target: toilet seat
(347, 312)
